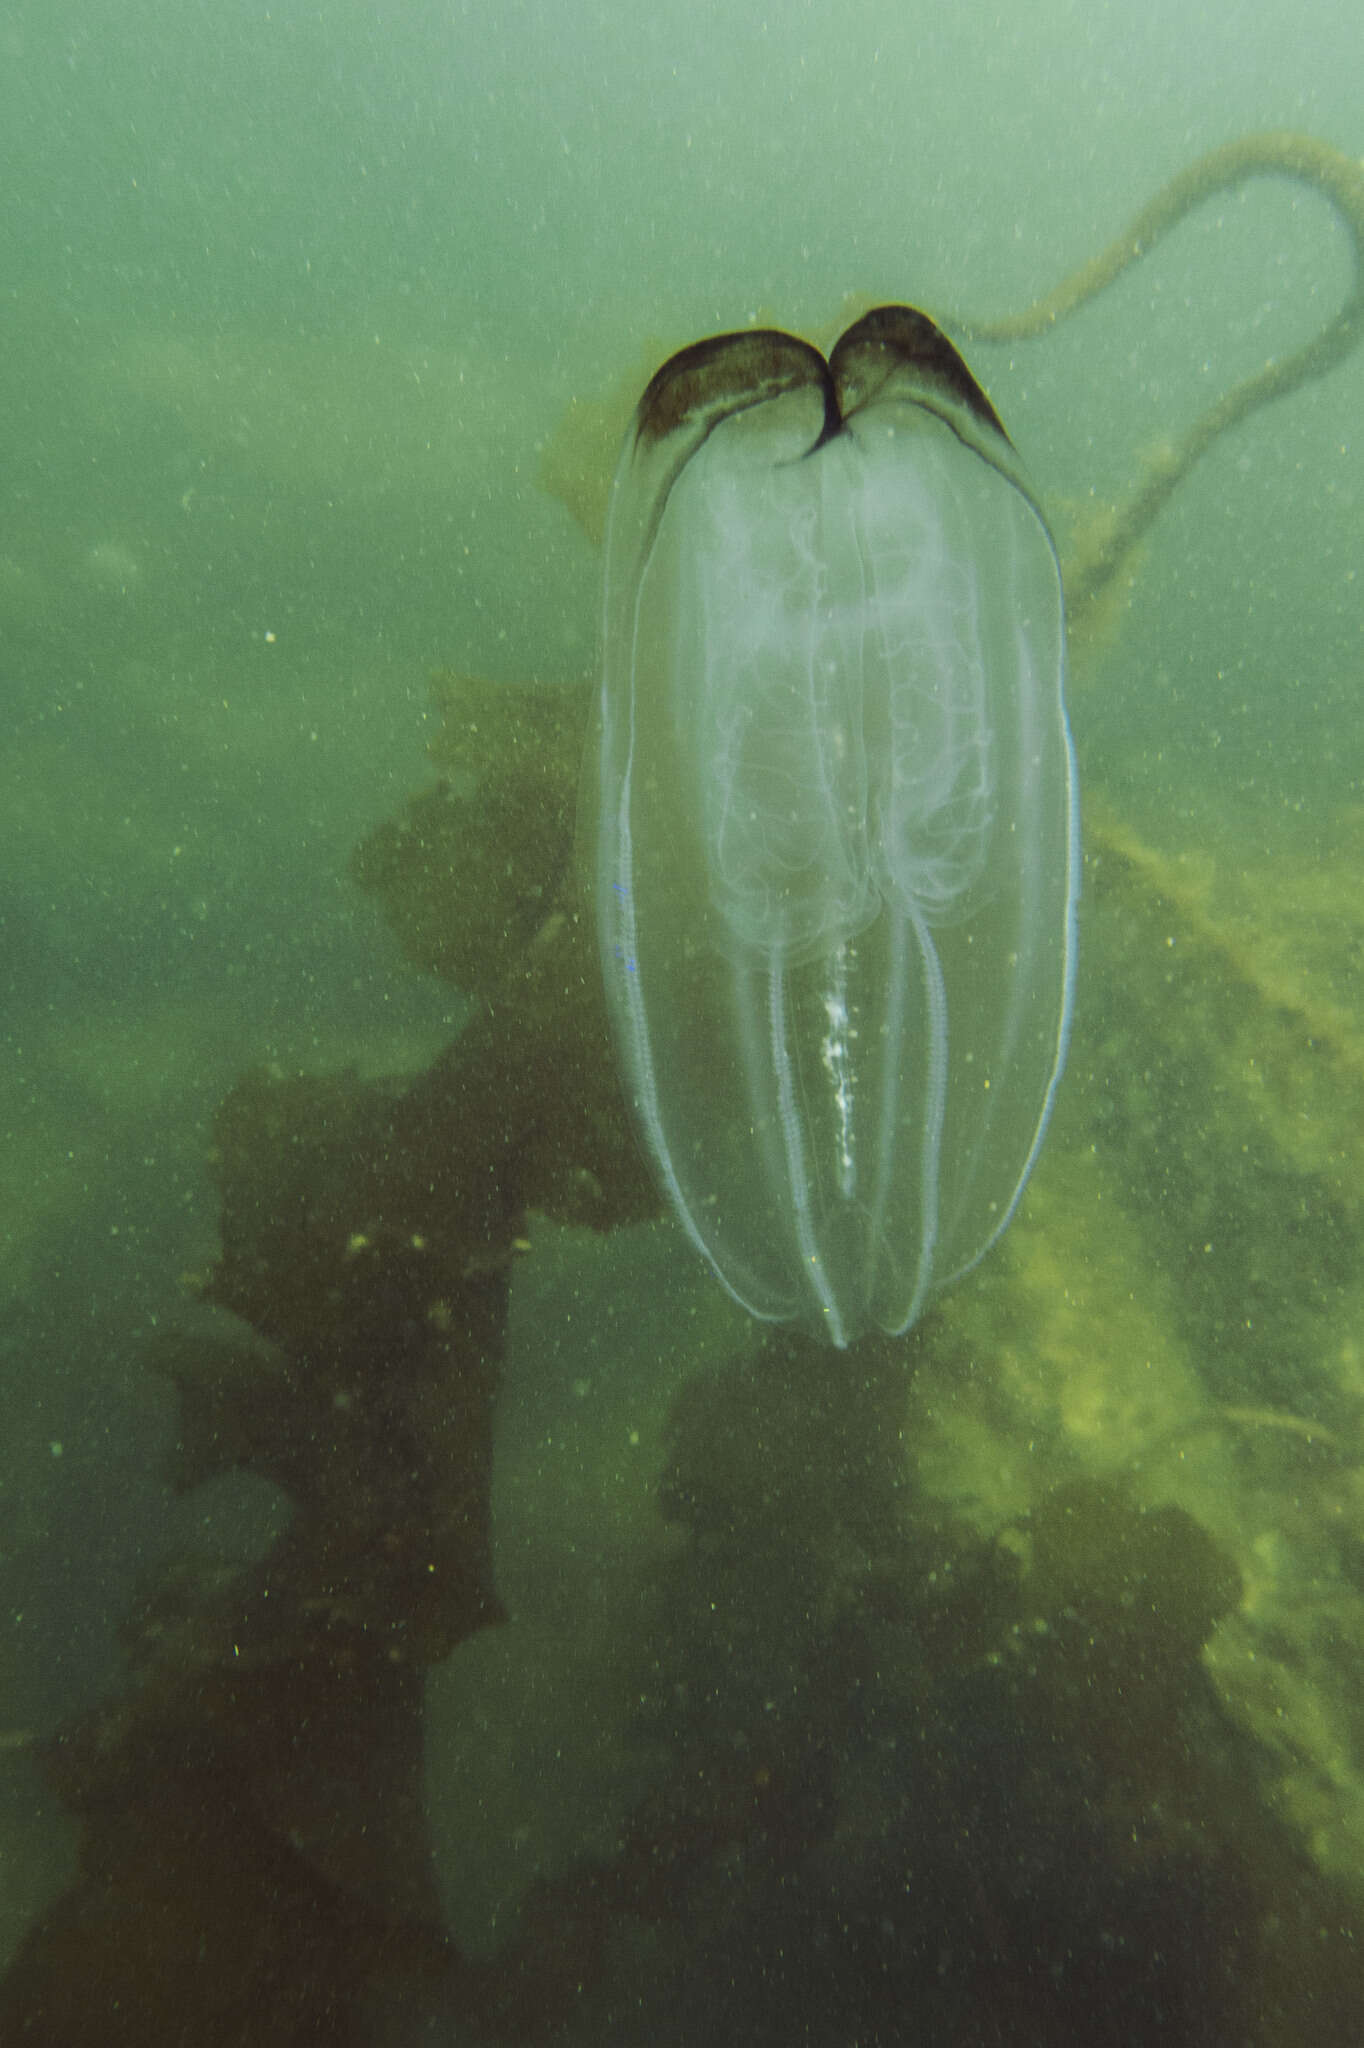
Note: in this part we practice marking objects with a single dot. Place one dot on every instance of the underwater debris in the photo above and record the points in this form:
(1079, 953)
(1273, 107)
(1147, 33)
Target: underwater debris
(1234, 1094)
(477, 881)
(913, 1754)
(507, 762)
(253, 1858)
(912, 1771)
(254, 1861)
(1296, 1054)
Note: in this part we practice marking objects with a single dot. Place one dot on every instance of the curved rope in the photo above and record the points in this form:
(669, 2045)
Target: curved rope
(1340, 180)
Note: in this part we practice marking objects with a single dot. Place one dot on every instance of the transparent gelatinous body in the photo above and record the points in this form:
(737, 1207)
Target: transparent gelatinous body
(833, 848)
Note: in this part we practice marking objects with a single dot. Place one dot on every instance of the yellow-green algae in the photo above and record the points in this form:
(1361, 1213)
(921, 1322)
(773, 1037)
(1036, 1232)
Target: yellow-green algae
(1177, 1307)
(1178, 1304)
(1162, 1348)
(1003, 1674)
(1130, 1441)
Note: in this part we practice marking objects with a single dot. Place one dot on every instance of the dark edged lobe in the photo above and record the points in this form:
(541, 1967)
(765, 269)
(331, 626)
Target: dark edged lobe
(726, 374)
(892, 338)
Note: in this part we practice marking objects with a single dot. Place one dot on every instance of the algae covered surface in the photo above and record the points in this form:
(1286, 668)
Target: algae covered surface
(1111, 1481)
(1002, 1674)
